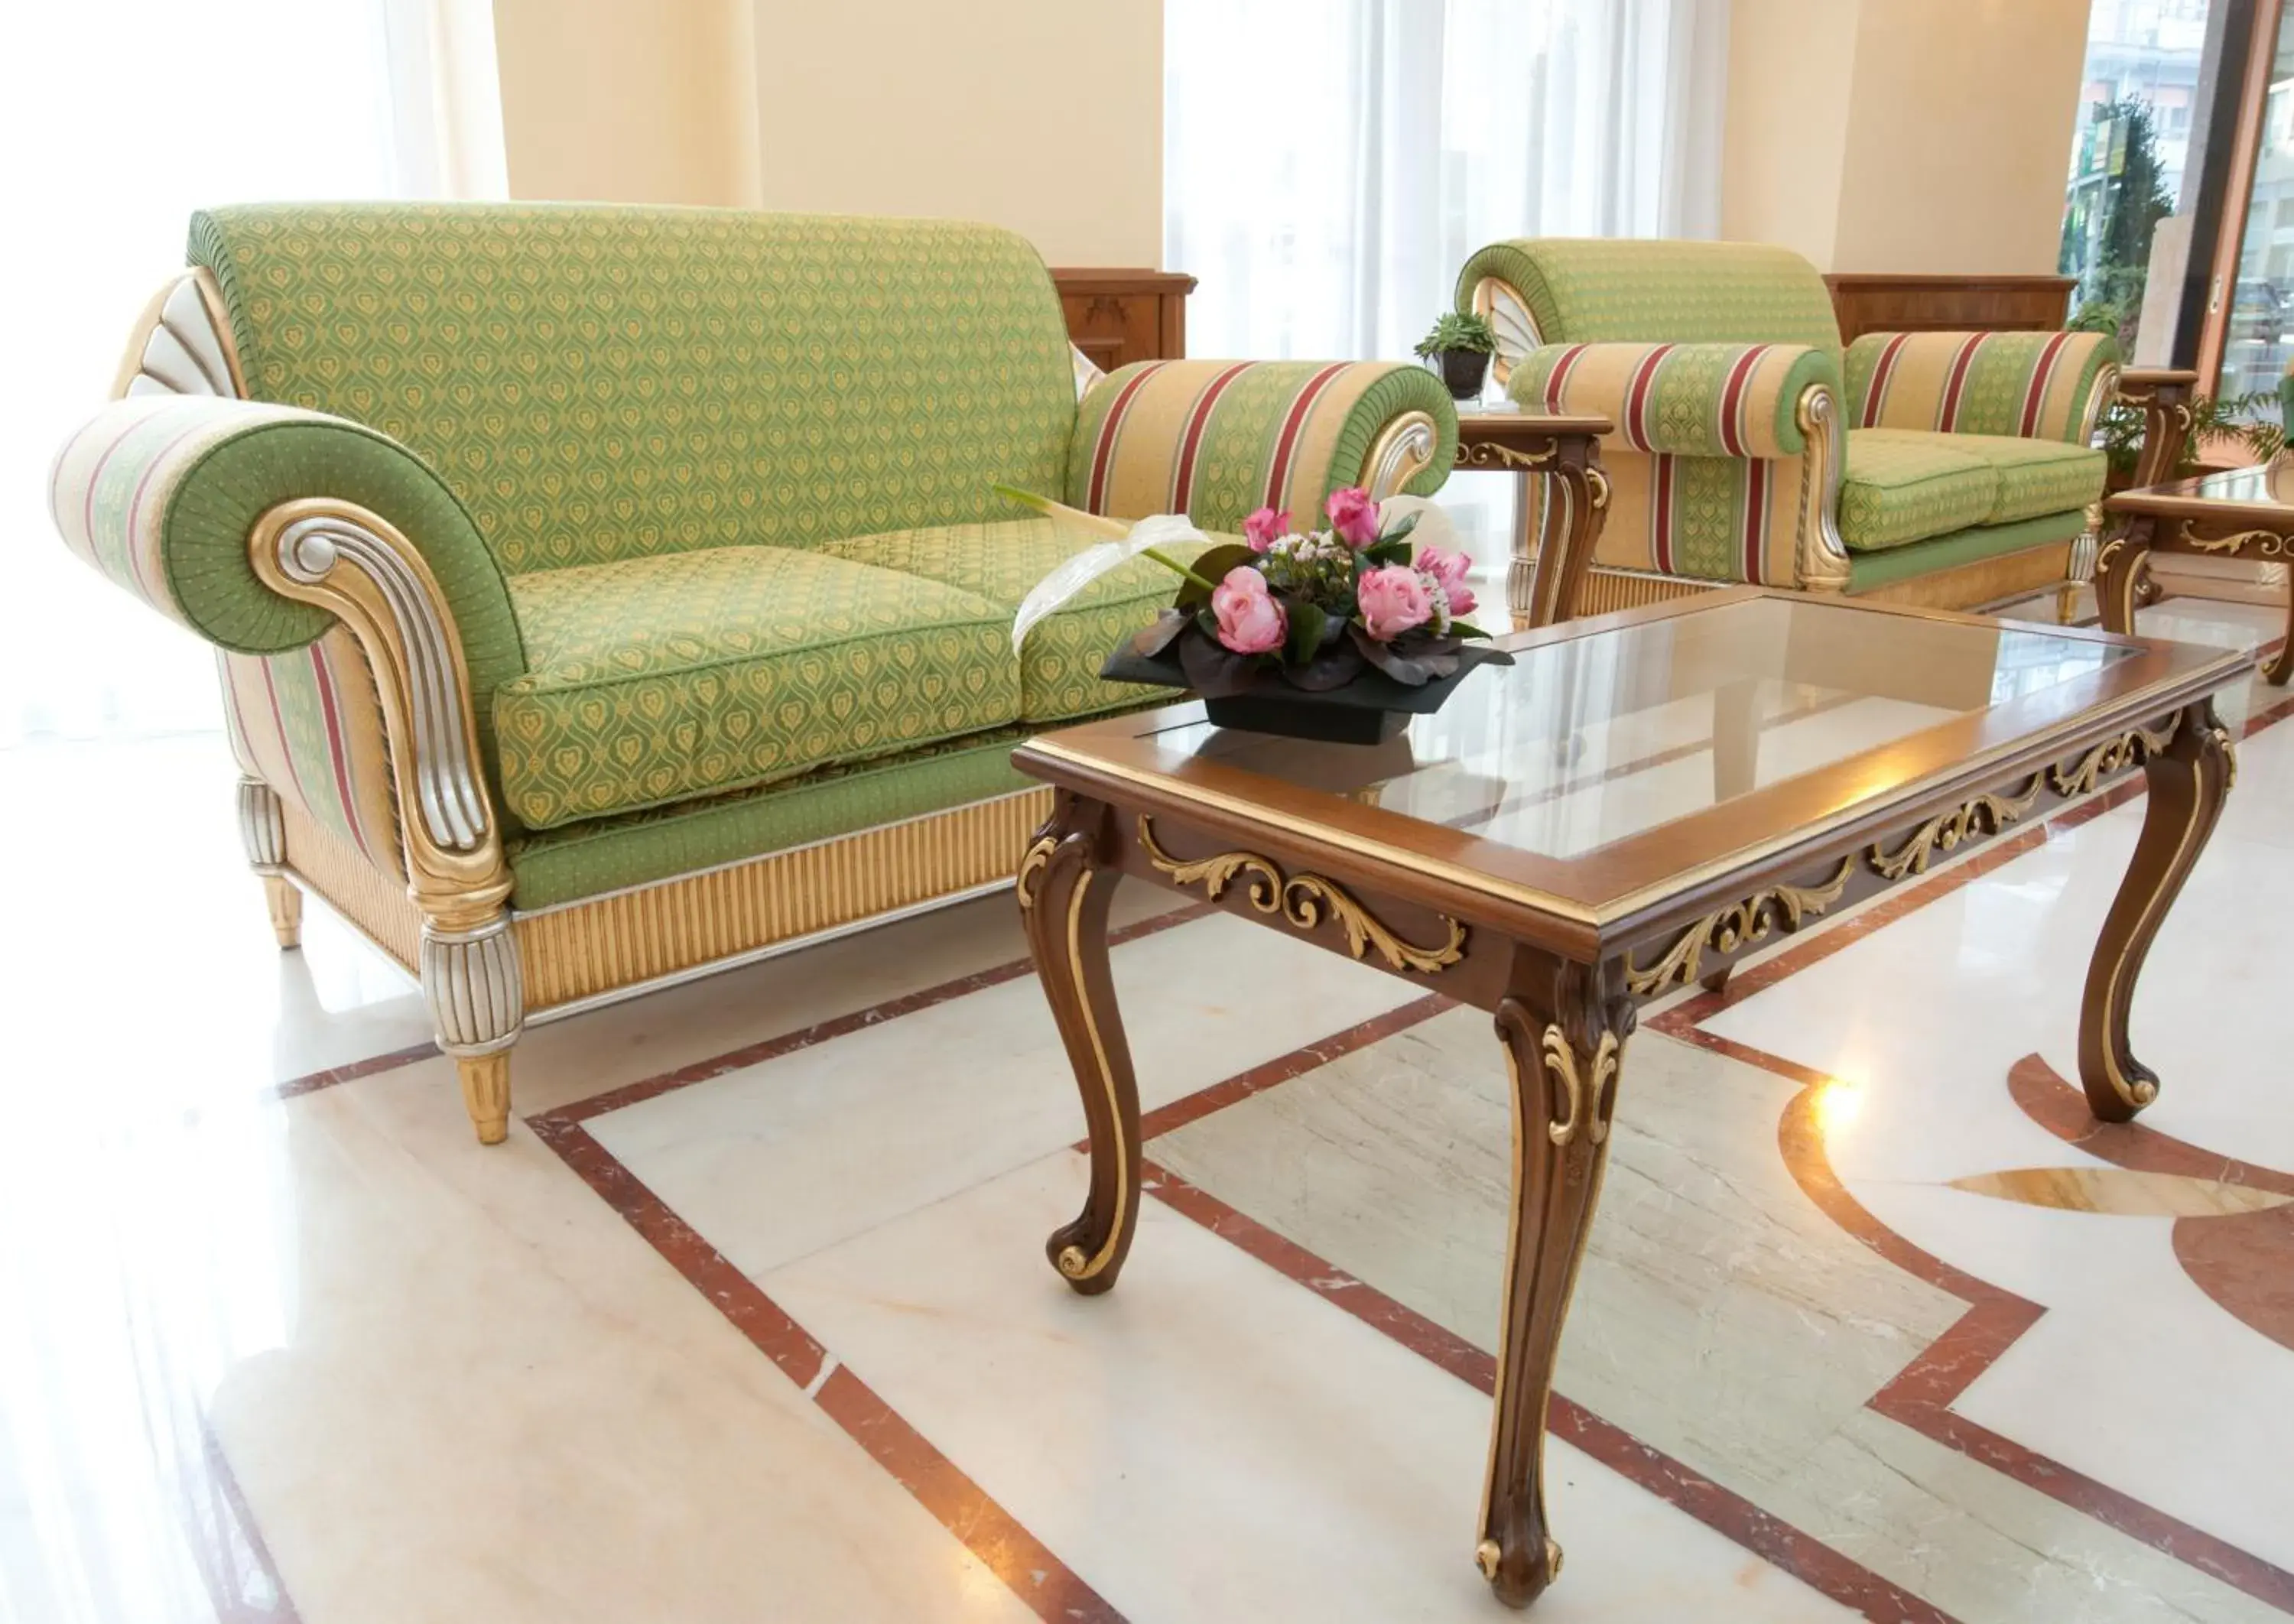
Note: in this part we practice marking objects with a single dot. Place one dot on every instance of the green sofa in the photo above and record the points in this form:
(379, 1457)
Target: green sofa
(607, 595)
(1951, 469)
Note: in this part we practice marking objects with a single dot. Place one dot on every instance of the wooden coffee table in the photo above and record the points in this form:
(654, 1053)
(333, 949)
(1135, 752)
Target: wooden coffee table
(2240, 513)
(1637, 800)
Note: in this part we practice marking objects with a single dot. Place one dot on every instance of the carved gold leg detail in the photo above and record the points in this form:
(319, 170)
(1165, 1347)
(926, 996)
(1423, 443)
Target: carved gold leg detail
(1563, 1046)
(1064, 888)
(485, 1094)
(475, 989)
(2117, 569)
(2282, 664)
(2188, 781)
(286, 900)
(262, 834)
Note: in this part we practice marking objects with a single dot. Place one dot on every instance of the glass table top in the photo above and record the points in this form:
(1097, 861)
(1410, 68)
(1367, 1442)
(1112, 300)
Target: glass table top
(1584, 743)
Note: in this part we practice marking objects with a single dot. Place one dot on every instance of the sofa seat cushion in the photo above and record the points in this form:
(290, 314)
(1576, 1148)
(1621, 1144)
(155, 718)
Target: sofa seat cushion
(1905, 484)
(651, 680)
(1059, 668)
(2037, 477)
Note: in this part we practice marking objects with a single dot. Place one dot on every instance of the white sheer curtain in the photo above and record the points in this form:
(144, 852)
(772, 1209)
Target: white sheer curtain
(118, 118)
(1329, 164)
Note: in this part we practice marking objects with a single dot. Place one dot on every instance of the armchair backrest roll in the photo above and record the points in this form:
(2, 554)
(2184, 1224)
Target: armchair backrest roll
(1598, 289)
(599, 382)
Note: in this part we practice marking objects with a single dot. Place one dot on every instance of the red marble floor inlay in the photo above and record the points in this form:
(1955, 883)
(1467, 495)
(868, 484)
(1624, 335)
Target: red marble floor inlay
(1027, 1566)
(1804, 1556)
(241, 1580)
(2243, 1261)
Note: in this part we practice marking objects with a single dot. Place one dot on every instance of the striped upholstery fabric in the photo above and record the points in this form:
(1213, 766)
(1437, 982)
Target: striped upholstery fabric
(1710, 518)
(2034, 386)
(111, 486)
(1217, 438)
(1693, 400)
(309, 724)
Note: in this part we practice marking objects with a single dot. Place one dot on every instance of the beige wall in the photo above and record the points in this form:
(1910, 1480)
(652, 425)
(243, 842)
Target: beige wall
(1045, 116)
(628, 101)
(1903, 135)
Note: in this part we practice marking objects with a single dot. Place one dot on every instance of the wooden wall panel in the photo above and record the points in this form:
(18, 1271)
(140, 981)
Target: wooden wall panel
(1872, 303)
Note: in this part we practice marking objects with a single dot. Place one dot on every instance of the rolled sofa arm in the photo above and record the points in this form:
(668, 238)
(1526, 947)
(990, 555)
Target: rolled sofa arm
(1685, 399)
(2032, 386)
(1218, 439)
(259, 526)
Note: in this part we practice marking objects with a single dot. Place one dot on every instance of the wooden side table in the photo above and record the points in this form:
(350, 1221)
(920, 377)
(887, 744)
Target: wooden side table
(2235, 513)
(1543, 580)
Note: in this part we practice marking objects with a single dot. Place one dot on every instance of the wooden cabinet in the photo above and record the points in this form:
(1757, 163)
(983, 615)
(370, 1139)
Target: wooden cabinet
(1116, 317)
(1867, 302)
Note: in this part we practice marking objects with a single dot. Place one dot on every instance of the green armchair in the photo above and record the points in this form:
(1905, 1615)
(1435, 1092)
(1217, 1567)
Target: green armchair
(606, 596)
(1952, 469)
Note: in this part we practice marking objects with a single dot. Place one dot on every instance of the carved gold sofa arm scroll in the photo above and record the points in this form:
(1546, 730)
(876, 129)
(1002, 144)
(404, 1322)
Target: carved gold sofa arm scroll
(360, 568)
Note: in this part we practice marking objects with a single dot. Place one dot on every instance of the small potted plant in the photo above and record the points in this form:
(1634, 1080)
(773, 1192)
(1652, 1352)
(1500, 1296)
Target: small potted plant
(1462, 346)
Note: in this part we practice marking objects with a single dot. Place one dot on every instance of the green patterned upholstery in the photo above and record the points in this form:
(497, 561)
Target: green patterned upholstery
(654, 679)
(1874, 572)
(1058, 667)
(602, 383)
(1595, 289)
(557, 866)
(1905, 486)
(159, 493)
(1695, 400)
(2036, 476)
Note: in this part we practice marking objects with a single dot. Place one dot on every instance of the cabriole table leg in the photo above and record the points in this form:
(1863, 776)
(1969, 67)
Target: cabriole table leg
(1065, 884)
(2188, 780)
(1563, 1048)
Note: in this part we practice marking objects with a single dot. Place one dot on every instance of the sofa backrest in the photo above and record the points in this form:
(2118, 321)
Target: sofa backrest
(1591, 289)
(599, 383)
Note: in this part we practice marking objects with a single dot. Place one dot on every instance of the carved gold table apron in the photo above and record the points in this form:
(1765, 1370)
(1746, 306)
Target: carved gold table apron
(1561, 949)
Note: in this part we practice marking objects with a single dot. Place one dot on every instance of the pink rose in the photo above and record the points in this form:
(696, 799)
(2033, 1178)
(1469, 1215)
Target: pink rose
(1449, 572)
(1249, 621)
(1265, 527)
(1353, 515)
(1392, 600)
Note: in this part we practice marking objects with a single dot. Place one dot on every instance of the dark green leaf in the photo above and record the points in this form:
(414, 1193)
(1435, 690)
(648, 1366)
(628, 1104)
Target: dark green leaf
(1154, 639)
(1307, 622)
(1214, 670)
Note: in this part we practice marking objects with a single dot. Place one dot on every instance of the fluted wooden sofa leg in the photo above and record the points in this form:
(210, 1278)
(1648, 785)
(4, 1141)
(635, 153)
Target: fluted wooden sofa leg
(475, 986)
(263, 832)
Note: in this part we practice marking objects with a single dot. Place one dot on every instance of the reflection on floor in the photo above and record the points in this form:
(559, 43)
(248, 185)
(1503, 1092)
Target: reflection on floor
(750, 1317)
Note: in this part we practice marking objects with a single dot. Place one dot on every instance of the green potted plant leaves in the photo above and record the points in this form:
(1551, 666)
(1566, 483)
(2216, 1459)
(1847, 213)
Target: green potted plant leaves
(1460, 345)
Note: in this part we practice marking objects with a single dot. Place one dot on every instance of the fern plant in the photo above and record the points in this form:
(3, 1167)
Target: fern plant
(2119, 429)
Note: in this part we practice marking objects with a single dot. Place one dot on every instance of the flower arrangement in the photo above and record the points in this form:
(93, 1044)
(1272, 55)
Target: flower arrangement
(1353, 615)
(1316, 608)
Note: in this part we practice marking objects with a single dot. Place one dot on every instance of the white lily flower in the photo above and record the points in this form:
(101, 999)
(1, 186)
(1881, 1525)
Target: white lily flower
(1126, 540)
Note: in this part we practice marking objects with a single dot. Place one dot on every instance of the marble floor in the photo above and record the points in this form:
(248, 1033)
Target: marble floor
(750, 1317)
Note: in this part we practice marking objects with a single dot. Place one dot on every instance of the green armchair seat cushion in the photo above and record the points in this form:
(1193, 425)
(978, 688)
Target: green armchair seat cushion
(654, 679)
(1905, 485)
(2037, 477)
(1058, 667)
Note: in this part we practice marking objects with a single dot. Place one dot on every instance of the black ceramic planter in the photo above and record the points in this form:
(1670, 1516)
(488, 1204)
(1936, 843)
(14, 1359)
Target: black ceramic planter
(1370, 710)
(1464, 371)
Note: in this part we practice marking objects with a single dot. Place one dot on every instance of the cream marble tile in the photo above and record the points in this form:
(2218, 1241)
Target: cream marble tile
(804, 1151)
(1720, 1317)
(489, 1399)
(1211, 1441)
